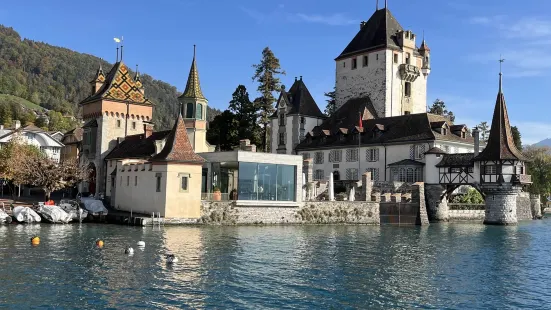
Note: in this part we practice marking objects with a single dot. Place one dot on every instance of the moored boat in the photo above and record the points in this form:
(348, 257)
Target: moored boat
(54, 214)
(75, 211)
(25, 215)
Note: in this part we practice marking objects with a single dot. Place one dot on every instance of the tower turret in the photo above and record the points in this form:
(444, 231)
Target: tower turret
(424, 51)
(98, 80)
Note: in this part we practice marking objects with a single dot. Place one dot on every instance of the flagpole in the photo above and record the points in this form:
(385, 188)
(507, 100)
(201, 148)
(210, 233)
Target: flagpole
(359, 146)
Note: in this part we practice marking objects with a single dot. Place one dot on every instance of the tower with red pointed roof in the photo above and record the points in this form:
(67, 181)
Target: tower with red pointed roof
(116, 107)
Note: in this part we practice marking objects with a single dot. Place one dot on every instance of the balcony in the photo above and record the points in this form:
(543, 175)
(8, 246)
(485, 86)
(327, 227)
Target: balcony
(522, 179)
(409, 73)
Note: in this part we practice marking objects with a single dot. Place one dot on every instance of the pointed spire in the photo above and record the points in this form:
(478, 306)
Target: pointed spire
(193, 87)
(100, 76)
(177, 147)
(137, 77)
(500, 145)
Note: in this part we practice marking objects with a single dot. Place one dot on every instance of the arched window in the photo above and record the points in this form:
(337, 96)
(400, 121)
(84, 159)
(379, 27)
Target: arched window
(189, 110)
(199, 112)
(336, 175)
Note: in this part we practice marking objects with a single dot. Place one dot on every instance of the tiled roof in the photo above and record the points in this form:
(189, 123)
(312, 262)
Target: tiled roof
(456, 160)
(120, 86)
(77, 132)
(435, 150)
(92, 123)
(500, 145)
(407, 162)
(136, 146)
(378, 32)
(193, 87)
(99, 77)
(397, 129)
(177, 147)
(300, 101)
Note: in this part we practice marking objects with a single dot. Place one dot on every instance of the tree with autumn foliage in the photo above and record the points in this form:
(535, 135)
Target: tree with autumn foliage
(266, 74)
(14, 157)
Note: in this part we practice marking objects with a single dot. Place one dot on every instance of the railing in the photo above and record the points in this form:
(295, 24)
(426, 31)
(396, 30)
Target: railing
(215, 196)
(524, 178)
(465, 206)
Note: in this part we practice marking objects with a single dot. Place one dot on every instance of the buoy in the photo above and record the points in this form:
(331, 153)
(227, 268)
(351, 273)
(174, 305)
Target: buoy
(99, 243)
(129, 251)
(141, 243)
(170, 259)
(35, 240)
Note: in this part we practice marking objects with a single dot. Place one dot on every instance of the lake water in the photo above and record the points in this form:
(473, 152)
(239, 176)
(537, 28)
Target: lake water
(280, 267)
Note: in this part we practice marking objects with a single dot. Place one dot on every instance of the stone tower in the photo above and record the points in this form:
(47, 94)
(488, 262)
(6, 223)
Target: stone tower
(502, 169)
(383, 63)
(115, 108)
(194, 110)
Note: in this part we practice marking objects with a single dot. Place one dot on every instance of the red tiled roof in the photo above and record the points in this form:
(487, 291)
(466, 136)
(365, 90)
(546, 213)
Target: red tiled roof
(177, 147)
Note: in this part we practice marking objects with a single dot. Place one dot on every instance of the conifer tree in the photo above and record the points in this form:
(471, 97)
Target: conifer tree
(246, 114)
(266, 74)
(331, 102)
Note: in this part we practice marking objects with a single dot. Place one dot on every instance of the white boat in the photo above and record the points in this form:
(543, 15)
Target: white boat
(4, 217)
(54, 214)
(73, 209)
(93, 206)
(25, 215)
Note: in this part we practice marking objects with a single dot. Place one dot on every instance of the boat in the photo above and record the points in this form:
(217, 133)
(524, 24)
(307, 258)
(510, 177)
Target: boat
(94, 206)
(25, 215)
(73, 208)
(54, 214)
(4, 217)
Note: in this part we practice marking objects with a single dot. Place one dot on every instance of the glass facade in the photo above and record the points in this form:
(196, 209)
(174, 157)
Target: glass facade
(258, 181)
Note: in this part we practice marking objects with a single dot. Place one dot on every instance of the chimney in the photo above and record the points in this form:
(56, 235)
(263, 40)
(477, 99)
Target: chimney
(476, 136)
(147, 130)
(16, 124)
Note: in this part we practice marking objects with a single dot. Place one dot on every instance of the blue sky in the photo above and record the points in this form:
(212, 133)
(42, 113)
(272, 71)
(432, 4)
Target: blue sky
(466, 38)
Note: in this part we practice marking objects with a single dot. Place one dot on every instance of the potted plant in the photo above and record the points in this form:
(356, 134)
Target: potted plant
(217, 195)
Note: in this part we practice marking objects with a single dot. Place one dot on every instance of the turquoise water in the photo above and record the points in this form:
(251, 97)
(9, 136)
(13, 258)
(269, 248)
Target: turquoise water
(454, 266)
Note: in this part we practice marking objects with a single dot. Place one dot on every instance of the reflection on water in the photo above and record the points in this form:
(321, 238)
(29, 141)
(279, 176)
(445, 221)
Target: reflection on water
(300, 267)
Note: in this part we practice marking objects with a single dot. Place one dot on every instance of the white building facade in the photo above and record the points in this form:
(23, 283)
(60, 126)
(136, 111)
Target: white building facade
(34, 136)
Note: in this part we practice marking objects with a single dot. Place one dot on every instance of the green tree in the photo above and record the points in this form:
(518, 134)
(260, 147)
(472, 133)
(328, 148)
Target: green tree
(224, 131)
(517, 137)
(472, 196)
(266, 74)
(331, 106)
(539, 167)
(484, 131)
(439, 107)
(246, 113)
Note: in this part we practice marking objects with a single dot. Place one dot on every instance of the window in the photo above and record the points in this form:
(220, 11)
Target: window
(318, 158)
(281, 119)
(408, 58)
(199, 112)
(189, 110)
(402, 175)
(490, 169)
(395, 58)
(335, 156)
(372, 155)
(184, 184)
(444, 131)
(110, 163)
(118, 123)
(302, 120)
(351, 155)
(281, 138)
(113, 181)
(158, 182)
(407, 89)
(471, 169)
(366, 61)
(463, 135)
(344, 64)
(455, 170)
(374, 173)
(407, 112)
(318, 174)
(135, 180)
(133, 125)
(418, 151)
(519, 170)
(127, 180)
(354, 63)
(266, 182)
(446, 148)
(352, 174)
(377, 56)
(409, 175)
(306, 155)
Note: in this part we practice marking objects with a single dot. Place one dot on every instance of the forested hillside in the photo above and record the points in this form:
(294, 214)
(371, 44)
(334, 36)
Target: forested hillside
(57, 78)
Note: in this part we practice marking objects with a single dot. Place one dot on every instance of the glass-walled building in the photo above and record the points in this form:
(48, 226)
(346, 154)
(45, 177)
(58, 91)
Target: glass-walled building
(249, 177)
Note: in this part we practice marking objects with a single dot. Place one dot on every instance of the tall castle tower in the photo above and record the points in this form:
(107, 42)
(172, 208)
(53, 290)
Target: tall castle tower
(194, 110)
(115, 108)
(383, 65)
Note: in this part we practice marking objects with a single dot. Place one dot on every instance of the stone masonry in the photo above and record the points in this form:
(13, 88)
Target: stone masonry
(501, 205)
(437, 208)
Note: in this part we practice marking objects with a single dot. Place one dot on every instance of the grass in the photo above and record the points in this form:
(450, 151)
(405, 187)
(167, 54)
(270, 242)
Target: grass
(23, 102)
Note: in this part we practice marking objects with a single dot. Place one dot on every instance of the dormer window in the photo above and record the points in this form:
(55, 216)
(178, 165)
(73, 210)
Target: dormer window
(341, 137)
(281, 119)
(302, 120)
(444, 131)
(463, 135)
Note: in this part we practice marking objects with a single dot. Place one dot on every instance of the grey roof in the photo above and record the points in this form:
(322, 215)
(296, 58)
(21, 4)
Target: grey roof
(407, 162)
(300, 101)
(397, 129)
(457, 160)
(435, 150)
(378, 32)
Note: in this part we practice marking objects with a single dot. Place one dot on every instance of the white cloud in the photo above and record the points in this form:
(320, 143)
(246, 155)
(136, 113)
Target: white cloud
(337, 19)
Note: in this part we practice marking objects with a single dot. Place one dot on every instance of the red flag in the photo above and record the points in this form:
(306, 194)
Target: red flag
(360, 122)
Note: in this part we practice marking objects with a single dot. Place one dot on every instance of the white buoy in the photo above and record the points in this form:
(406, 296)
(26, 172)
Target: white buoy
(170, 259)
(129, 251)
(141, 243)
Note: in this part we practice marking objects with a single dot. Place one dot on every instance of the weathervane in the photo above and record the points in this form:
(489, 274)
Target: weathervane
(501, 60)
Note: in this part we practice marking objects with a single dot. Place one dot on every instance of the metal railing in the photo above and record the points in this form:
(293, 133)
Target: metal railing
(524, 178)
(466, 206)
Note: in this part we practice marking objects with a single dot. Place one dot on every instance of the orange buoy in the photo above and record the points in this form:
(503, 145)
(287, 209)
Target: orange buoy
(35, 240)
(99, 243)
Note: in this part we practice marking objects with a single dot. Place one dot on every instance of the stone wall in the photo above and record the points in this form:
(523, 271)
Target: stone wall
(466, 215)
(524, 211)
(324, 212)
(437, 208)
